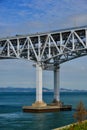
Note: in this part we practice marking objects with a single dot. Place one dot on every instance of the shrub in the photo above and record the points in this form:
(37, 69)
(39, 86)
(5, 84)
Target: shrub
(80, 113)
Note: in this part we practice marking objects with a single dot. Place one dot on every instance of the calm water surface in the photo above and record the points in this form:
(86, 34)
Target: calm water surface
(12, 117)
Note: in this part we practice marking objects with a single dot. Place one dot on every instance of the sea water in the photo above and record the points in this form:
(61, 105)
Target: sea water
(13, 118)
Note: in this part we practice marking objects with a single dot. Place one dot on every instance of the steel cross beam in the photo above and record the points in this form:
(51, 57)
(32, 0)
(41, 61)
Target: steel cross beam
(48, 49)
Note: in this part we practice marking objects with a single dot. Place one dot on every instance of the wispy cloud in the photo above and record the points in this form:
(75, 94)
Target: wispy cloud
(47, 15)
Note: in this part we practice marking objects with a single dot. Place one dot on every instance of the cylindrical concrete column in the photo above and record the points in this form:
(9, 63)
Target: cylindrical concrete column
(39, 100)
(56, 84)
(38, 83)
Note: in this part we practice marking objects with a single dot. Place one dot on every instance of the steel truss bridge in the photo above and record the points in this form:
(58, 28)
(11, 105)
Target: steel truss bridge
(48, 50)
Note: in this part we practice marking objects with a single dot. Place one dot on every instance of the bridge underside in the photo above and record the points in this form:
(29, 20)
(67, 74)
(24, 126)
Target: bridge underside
(48, 51)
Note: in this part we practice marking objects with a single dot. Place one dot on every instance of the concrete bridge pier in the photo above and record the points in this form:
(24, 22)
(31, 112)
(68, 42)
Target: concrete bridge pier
(39, 100)
(40, 106)
(56, 99)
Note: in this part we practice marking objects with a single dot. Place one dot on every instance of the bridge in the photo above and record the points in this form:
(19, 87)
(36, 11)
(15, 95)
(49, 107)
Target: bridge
(47, 51)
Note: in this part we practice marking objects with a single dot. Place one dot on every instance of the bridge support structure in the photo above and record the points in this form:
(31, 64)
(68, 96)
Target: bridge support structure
(39, 100)
(40, 106)
(56, 99)
(56, 85)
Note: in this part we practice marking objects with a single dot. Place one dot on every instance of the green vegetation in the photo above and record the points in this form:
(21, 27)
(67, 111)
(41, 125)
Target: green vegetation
(79, 126)
(80, 113)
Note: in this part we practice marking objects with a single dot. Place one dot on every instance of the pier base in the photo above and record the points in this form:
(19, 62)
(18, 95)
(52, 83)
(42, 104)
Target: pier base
(47, 108)
(39, 104)
(57, 103)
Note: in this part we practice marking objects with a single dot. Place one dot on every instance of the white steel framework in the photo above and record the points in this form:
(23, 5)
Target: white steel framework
(47, 48)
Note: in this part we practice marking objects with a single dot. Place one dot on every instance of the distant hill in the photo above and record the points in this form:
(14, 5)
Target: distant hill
(71, 90)
(13, 89)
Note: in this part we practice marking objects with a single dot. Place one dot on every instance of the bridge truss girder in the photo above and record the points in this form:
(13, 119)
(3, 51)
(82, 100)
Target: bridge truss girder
(48, 49)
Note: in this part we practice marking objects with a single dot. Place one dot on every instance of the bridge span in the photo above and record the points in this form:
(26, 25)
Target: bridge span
(47, 51)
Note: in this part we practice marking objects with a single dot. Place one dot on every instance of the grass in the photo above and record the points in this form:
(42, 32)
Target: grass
(78, 126)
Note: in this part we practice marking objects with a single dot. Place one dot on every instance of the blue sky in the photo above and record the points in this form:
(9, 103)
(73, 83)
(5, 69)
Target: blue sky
(31, 16)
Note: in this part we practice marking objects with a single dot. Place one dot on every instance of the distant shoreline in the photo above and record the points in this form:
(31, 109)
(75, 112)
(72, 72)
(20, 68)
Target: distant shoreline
(45, 90)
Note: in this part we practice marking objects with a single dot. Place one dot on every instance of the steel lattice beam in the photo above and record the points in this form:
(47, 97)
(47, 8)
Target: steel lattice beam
(49, 49)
